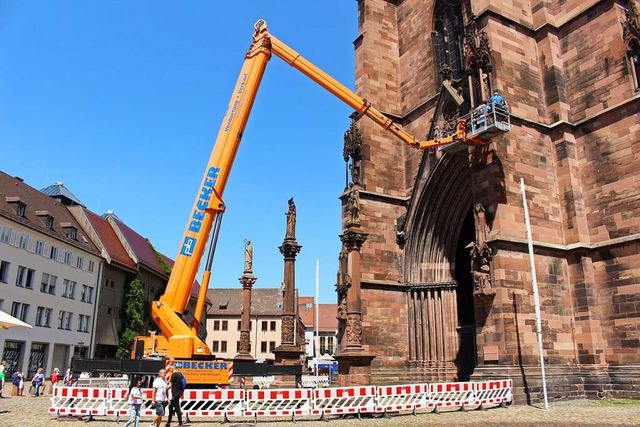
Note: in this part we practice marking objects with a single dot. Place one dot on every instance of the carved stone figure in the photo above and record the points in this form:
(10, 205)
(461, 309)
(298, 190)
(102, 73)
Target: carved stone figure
(353, 330)
(291, 220)
(355, 171)
(482, 229)
(287, 329)
(353, 150)
(245, 343)
(481, 255)
(341, 289)
(248, 256)
(353, 206)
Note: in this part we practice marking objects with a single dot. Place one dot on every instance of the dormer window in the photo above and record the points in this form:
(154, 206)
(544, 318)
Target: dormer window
(17, 205)
(223, 305)
(69, 230)
(47, 220)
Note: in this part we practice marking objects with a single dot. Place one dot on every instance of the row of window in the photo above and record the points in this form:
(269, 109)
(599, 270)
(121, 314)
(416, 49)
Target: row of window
(21, 240)
(45, 218)
(20, 311)
(25, 277)
(221, 346)
(223, 325)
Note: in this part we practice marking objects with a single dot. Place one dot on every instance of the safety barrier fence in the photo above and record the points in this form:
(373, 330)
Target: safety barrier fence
(299, 402)
(312, 381)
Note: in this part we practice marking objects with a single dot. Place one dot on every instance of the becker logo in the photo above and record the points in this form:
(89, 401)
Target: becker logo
(197, 216)
(203, 200)
(188, 246)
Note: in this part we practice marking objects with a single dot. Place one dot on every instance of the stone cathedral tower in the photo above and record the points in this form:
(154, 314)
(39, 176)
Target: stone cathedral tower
(445, 280)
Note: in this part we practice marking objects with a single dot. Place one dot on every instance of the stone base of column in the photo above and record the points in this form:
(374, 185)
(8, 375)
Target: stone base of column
(244, 357)
(354, 368)
(288, 355)
(237, 383)
(287, 381)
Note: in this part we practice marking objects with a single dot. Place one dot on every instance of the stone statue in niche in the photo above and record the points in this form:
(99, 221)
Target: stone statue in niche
(353, 207)
(353, 151)
(481, 255)
(342, 287)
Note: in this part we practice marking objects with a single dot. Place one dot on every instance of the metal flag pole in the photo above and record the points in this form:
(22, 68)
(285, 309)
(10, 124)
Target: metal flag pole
(315, 323)
(536, 298)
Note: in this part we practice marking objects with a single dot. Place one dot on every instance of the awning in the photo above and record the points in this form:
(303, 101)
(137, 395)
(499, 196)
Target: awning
(7, 321)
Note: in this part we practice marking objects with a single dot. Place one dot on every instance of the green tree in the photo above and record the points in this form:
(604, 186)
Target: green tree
(132, 321)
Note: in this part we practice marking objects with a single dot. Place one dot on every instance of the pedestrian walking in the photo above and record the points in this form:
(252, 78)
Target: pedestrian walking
(177, 385)
(55, 377)
(134, 398)
(159, 397)
(67, 380)
(3, 368)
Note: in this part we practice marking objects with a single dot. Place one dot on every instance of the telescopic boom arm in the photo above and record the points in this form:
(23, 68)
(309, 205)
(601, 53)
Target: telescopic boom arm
(182, 335)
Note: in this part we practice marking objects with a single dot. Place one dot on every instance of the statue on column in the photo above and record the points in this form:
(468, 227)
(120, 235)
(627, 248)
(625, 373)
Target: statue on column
(342, 287)
(481, 255)
(353, 150)
(291, 220)
(353, 207)
(248, 256)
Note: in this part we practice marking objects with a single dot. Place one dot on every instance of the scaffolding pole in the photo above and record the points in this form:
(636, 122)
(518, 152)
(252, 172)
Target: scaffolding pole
(536, 298)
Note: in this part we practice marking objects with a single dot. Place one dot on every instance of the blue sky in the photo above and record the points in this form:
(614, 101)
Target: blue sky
(121, 101)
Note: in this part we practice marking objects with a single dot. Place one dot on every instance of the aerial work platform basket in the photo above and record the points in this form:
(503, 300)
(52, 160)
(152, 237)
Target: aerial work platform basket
(481, 125)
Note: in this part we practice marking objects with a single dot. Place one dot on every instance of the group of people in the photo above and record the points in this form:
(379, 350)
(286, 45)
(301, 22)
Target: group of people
(18, 381)
(165, 395)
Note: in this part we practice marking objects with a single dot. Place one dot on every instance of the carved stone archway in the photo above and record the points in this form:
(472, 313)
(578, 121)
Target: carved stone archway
(433, 226)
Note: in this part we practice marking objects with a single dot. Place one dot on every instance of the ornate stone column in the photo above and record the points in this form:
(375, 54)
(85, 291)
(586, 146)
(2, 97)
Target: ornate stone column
(290, 351)
(354, 363)
(353, 240)
(247, 280)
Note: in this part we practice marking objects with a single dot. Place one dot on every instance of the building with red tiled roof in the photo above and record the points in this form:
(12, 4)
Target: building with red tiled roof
(49, 276)
(127, 256)
(223, 321)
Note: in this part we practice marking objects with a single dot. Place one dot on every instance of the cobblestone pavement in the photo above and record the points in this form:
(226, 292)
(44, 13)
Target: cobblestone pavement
(32, 412)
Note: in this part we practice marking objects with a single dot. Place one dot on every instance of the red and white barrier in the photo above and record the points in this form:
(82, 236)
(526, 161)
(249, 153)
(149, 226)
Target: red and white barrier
(213, 403)
(452, 395)
(493, 393)
(88, 401)
(118, 405)
(278, 402)
(344, 400)
(78, 401)
(394, 398)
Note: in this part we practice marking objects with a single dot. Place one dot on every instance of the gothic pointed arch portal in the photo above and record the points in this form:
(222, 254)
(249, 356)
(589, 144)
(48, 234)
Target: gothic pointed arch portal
(440, 227)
